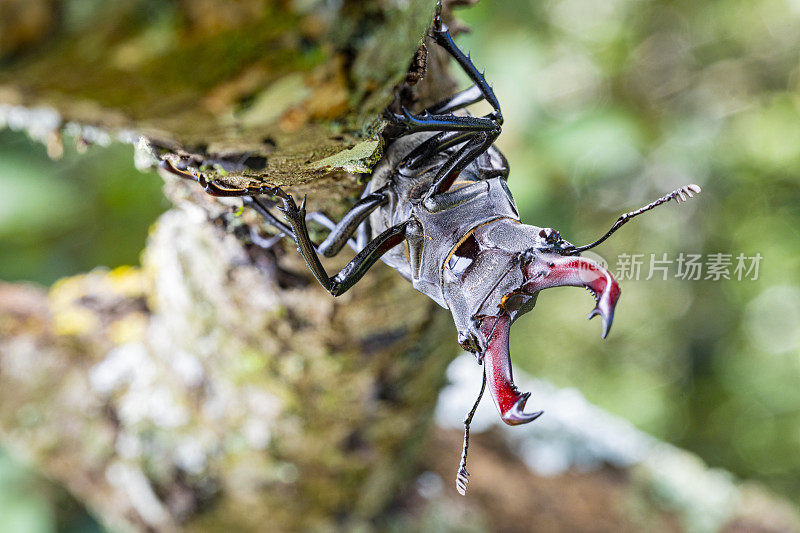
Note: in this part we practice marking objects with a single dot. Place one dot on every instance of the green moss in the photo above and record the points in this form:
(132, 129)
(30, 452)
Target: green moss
(357, 160)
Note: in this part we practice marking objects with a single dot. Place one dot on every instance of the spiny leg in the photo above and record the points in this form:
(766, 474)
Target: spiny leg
(441, 35)
(258, 205)
(425, 153)
(439, 117)
(327, 222)
(339, 235)
(215, 189)
(283, 230)
(460, 100)
(453, 131)
(426, 122)
(463, 475)
(355, 269)
(249, 198)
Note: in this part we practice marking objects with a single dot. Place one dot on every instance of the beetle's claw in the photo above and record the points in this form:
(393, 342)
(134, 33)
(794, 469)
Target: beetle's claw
(517, 415)
(290, 209)
(606, 313)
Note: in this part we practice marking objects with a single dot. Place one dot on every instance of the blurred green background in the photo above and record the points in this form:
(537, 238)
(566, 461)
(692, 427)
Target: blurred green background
(608, 105)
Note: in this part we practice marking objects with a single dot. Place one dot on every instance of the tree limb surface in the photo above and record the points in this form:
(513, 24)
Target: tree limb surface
(204, 392)
(247, 92)
(161, 415)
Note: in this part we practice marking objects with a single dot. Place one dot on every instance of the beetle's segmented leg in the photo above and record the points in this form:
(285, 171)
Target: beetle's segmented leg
(427, 122)
(443, 38)
(425, 152)
(460, 100)
(265, 243)
(355, 269)
(215, 189)
(439, 117)
(463, 475)
(258, 205)
(340, 234)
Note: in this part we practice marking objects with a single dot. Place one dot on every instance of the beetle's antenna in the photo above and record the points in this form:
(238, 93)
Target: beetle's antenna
(461, 477)
(680, 195)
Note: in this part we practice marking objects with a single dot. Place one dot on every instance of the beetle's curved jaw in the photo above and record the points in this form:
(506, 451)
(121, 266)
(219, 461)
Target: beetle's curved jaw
(545, 271)
(552, 270)
(497, 363)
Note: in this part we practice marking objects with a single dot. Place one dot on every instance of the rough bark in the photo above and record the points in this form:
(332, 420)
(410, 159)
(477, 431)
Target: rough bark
(204, 391)
(254, 91)
(218, 386)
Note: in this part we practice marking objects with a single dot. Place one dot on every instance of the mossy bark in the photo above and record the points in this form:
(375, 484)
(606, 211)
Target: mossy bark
(253, 91)
(219, 386)
(206, 392)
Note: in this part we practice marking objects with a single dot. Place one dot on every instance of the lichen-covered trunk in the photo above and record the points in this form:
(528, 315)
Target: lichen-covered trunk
(214, 388)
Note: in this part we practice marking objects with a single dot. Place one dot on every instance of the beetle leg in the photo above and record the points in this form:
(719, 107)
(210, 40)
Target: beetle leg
(265, 243)
(340, 233)
(355, 269)
(258, 205)
(441, 35)
(215, 189)
(448, 122)
(439, 117)
(422, 154)
(349, 223)
(460, 100)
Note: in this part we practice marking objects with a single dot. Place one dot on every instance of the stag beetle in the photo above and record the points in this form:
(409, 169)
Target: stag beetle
(441, 188)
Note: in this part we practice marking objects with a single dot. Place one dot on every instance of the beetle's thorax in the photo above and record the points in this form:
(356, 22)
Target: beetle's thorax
(444, 232)
(485, 273)
(440, 231)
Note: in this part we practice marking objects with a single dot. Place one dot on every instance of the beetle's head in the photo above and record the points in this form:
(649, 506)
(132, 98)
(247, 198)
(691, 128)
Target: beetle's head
(500, 268)
(495, 275)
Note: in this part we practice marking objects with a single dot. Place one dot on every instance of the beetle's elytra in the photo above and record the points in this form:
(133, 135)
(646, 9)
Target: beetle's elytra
(441, 189)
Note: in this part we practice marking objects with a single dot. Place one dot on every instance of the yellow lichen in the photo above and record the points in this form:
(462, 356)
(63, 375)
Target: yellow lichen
(130, 328)
(75, 321)
(127, 281)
